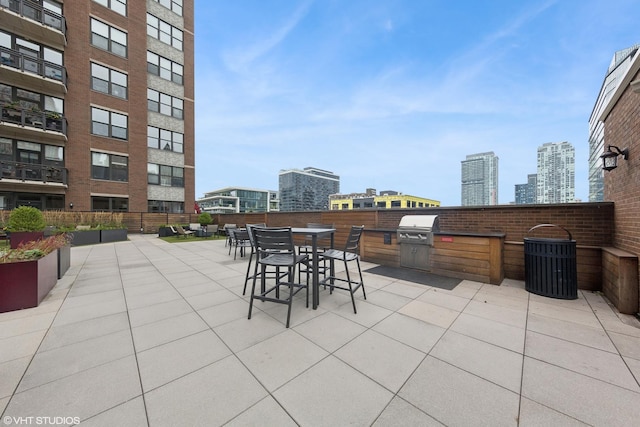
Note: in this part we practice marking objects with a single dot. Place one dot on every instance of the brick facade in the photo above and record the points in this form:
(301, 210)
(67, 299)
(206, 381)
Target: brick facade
(622, 185)
(78, 54)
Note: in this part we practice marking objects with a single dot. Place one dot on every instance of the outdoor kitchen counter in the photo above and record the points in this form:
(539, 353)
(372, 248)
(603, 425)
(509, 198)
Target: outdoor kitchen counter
(464, 255)
(467, 255)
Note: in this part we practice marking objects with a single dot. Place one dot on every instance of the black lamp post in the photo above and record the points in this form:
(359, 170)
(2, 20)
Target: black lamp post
(610, 158)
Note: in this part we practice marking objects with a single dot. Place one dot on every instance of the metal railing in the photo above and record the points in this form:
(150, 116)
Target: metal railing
(44, 120)
(37, 13)
(33, 172)
(13, 58)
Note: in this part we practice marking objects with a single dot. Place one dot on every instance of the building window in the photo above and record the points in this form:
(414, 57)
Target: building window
(165, 206)
(166, 33)
(381, 204)
(174, 5)
(119, 6)
(109, 124)
(396, 204)
(109, 204)
(166, 176)
(165, 68)
(109, 81)
(109, 167)
(165, 104)
(108, 38)
(53, 154)
(163, 139)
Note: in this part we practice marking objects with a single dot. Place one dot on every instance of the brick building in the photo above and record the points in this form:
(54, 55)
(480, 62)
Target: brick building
(621, 118)
(97, 105)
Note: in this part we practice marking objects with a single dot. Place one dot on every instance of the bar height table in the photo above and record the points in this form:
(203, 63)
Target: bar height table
(315, 233)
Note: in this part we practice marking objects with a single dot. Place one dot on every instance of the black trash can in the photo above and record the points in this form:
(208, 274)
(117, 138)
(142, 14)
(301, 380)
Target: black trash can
(550, 266)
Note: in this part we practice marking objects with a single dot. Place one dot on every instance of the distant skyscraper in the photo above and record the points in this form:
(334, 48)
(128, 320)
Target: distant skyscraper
(480, 179)
(306, 190)
(556, 173)
(618, 67)
(526, 193)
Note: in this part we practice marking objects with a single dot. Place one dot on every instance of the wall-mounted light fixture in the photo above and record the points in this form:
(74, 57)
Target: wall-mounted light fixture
(71, 205)
(610, 158)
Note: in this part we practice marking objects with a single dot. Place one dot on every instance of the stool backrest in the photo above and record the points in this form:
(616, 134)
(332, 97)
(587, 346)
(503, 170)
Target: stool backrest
(353, 241)
(274, 240)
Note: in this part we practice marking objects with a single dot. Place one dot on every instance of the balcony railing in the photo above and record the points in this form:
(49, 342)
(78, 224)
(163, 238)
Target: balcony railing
(33, 172)
(44, 120)
(13, 58)
(36, 13)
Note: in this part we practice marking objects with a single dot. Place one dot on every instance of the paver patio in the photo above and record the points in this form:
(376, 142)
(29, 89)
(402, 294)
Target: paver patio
(145, 332)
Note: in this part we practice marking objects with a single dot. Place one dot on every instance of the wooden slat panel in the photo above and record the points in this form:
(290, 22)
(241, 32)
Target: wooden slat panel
(462, 254)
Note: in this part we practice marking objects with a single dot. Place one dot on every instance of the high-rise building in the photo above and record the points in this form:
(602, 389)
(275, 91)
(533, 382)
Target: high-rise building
(97, 105)
(617, 68)
(526, 193)
(556, 173)
(306, 190)
(480, 179)
(239, 200)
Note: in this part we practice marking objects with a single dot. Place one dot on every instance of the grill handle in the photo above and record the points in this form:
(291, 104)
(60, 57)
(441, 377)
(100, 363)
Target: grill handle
(550, 225)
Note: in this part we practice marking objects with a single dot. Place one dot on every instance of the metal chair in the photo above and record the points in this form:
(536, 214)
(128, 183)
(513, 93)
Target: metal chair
(240, 240)
(248, 276)
(275, 248)
(226, 229)
(350, 253)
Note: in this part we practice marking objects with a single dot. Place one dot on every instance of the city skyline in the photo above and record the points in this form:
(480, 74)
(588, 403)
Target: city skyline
(395, 94)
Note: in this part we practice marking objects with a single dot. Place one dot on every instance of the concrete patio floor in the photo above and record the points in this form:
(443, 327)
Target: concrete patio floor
(149, 333)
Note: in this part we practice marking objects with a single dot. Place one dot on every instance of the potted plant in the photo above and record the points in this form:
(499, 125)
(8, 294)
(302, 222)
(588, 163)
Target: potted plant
(53, 120)
(85, 235)
(26, 223)
(111, 227)
(29, 272)
(165, 231)
(204, 219)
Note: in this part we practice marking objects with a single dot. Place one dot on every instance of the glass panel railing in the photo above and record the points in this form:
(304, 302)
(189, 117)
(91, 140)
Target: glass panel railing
(37, 13)
(33, 172)
(45, 120)
(20, 61)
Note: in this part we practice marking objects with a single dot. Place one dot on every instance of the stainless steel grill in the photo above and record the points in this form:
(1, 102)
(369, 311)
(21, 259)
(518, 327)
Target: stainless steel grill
(415, 236)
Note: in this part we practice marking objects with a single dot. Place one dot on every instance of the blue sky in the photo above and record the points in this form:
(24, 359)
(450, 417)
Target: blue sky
(393, 94)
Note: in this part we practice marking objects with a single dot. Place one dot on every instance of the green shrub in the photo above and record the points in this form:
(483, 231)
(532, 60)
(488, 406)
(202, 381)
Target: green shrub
(35, 249)
(26, 218)
(204, 218)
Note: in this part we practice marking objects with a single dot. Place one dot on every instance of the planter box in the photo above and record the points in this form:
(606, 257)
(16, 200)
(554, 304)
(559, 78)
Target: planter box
(64, 260)
(165, 232)
(17, 237)
(89, 237)
(116, 235)
(25, 284)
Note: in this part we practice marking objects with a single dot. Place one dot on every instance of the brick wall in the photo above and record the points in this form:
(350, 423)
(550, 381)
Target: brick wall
(622, 185)
(591, 224)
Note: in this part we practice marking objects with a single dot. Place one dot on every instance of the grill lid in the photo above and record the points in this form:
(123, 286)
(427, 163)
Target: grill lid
(419, 222)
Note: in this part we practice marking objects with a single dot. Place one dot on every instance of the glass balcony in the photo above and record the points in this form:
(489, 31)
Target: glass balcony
(32, 172)
(13, 58)
(44, 120)
(34, 22)
(36, 13)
